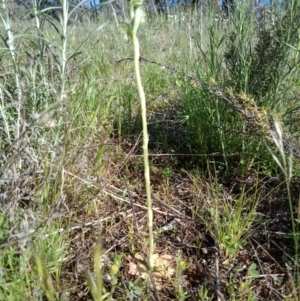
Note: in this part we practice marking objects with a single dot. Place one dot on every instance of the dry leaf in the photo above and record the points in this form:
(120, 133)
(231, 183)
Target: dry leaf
(163, 268)
(133, 269)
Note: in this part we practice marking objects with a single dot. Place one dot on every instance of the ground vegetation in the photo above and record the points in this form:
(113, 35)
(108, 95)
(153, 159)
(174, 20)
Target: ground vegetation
(222, 97)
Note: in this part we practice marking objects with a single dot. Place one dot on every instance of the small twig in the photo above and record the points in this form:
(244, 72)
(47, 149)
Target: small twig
(178, 213)
(283, 251)
(263, 276)
(217, 282)
(256, 255)
(142, 59)
(179, 245)
(261, 247)
(178, 154)
(115, 245)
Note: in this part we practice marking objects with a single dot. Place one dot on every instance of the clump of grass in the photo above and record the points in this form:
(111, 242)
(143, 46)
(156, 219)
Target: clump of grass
(34, 100)
(232, 219)
(261, 68)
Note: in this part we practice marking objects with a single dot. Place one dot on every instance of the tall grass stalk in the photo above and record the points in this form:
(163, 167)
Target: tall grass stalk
(63, 31)
(41, 41)
(95, 281)
(136, 12)
(10, 43)
(286, 166)
(64, 25)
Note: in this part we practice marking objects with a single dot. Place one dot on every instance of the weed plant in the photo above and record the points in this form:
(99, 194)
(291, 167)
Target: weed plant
(36, 64)
(249, 58)
(64, 96)
(233, 222)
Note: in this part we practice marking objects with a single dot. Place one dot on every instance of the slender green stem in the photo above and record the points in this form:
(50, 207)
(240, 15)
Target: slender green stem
(64, 24)
(145, 146)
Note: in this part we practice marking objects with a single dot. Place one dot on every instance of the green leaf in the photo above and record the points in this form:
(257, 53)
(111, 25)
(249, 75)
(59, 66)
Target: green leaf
(99, 155)
(50, 8)
(4, 228)
(74, 55)
(102, 26)
(252, 271)
(54, 24)
(127, 29)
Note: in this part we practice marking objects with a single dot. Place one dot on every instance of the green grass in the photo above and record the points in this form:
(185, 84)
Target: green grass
(223, 118)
